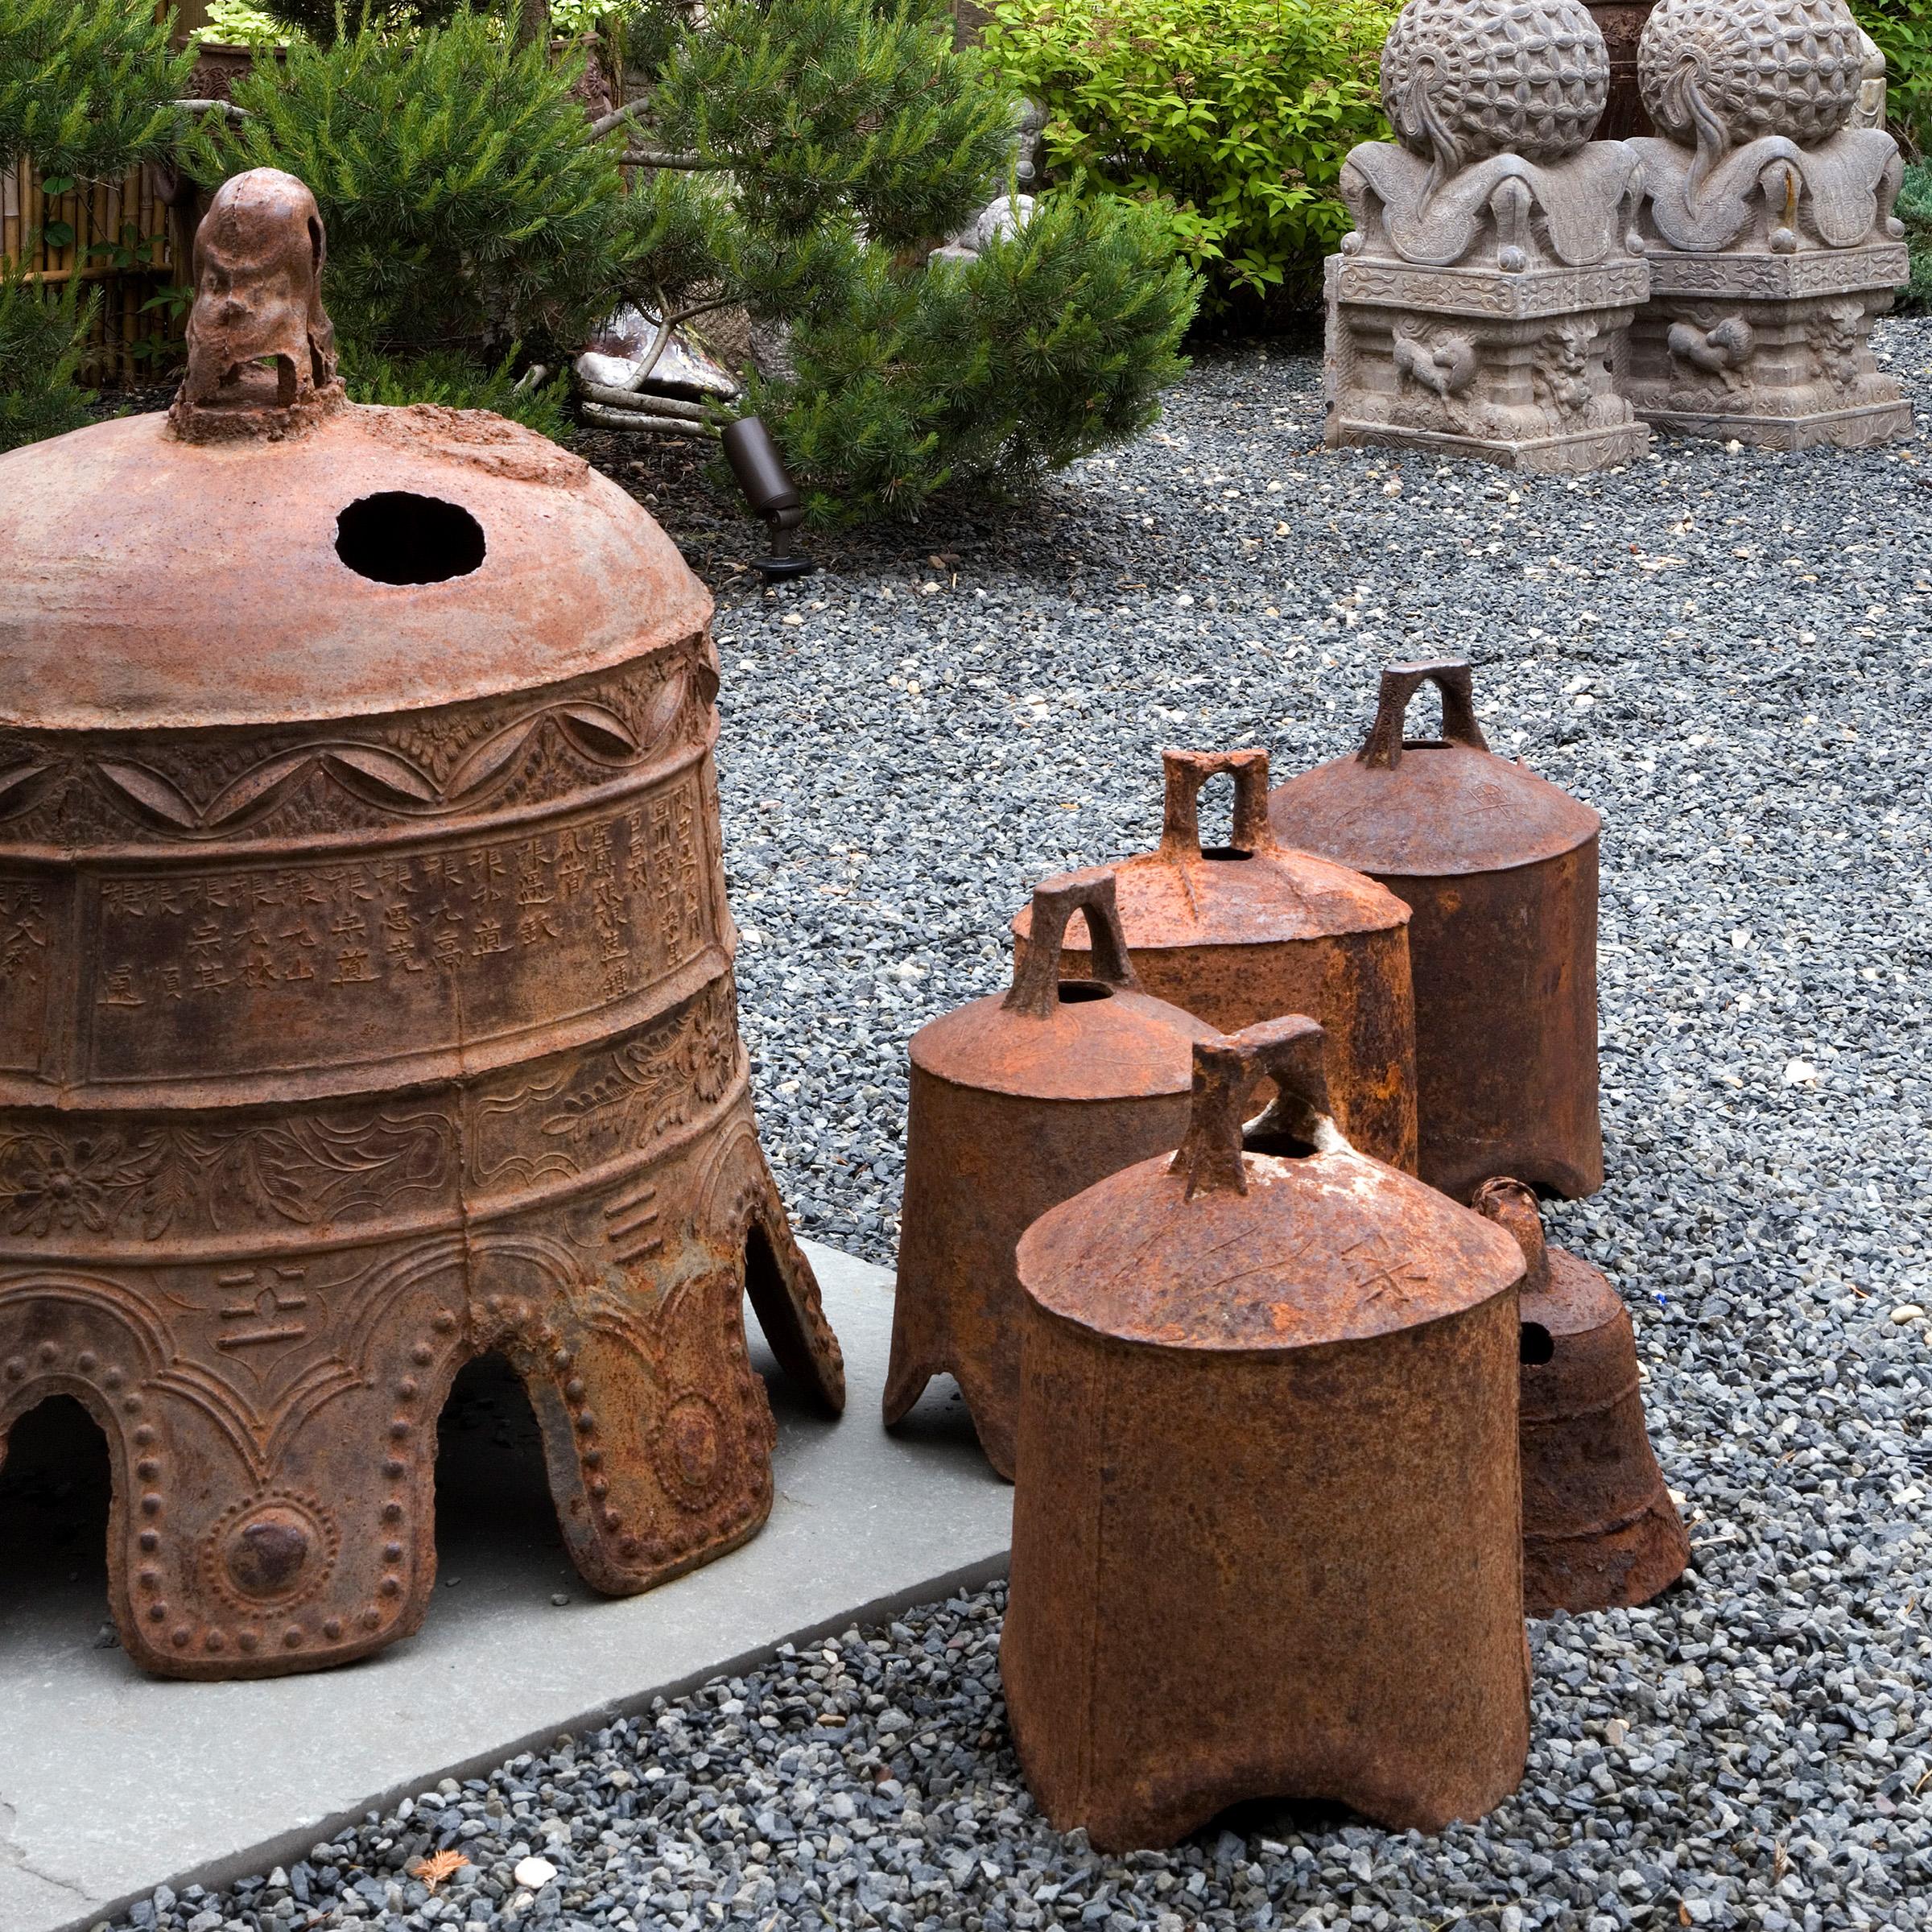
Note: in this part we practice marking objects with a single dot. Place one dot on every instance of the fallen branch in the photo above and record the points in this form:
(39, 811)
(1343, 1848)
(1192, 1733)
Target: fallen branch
(605, 123)
(227, 107)
(633, 404)
(635, 420)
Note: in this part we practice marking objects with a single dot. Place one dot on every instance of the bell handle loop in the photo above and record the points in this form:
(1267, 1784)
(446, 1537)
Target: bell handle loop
(1291, 1051)
(1185, 772)
(1382, 750)
(1511, 1205)
(1036, 979)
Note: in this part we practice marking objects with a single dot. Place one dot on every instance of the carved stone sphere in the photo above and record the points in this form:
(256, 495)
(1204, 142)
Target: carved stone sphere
(1462, 80)
(1753, 66)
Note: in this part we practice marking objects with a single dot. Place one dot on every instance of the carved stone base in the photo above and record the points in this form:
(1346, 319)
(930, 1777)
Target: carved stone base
(1771, 350)
(1509, 368)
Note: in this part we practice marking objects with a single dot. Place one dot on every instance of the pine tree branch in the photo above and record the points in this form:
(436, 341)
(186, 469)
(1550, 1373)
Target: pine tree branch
(616, 117)
(694, 164)
(235, 115)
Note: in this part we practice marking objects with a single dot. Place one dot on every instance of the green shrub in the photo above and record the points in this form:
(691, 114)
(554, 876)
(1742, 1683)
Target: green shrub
(820, 146)
(1903, 30)
(450, 378)
(985, 374)
(43, 337)
(1237, 113)
(805, 154)
(467, 206)
(85, 85)
(1915, 210)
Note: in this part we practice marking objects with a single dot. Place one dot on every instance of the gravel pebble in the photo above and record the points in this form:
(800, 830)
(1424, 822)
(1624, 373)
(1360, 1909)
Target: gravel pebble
(1728, 654)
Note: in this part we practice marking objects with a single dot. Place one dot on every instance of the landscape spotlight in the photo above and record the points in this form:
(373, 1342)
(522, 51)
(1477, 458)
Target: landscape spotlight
(769, 490)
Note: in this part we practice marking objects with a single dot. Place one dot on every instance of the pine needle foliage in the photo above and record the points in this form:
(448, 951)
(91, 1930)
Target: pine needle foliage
(467, 206)
(814, 149)
(323, 20)
(796, 157)
(985, 375)
(43, 337)
(86, 86)
(452, 380)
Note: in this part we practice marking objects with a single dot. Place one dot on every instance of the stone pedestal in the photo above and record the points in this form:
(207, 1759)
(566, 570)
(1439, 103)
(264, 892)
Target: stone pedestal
(1513, 367)
(1767, 217)
(1773, 350)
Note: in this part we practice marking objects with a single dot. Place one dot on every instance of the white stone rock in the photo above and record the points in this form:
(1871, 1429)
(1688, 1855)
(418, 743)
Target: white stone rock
(533, 1874)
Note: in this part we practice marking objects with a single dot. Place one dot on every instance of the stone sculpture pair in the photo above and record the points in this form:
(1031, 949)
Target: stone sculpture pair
(1515, 290)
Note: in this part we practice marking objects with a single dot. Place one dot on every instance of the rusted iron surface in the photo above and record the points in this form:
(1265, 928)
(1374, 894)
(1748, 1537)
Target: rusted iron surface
(1017, 1102)
(1600, 1529)
(342, 1042)
(1251, 930)
(1499, 869)
(1266, 1535)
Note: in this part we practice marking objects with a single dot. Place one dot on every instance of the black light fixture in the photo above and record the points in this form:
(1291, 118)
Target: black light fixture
(768, 488)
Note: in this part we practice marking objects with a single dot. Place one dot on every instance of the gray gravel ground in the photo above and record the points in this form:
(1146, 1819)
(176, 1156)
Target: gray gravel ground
(1729, 655)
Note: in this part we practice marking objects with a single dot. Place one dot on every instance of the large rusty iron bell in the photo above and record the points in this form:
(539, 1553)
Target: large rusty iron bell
(365, 989)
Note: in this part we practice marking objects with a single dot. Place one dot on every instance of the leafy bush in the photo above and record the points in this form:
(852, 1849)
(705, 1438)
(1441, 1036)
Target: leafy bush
(452, 380)
(235, 23)
(85, 85)
(1237, 113)
(985, 374)
(1903, 30)
(43, 337)
(467, 205)
(813, 150)
(1915, 210)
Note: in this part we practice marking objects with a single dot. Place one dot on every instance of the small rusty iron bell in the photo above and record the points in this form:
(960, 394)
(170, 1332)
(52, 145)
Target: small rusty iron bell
(1266, 1536)
(1017, 1102)
(1499, 868)
(1250, 931)
(1600, 1529)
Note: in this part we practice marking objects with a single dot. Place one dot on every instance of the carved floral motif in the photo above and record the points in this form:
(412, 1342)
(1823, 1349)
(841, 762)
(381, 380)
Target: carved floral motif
(158, 1178)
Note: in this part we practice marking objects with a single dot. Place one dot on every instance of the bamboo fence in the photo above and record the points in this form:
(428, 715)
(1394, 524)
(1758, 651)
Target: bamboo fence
(128, 217)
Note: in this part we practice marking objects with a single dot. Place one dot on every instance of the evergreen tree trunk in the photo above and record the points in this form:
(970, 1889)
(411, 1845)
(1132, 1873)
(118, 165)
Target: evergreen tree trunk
(532, 22)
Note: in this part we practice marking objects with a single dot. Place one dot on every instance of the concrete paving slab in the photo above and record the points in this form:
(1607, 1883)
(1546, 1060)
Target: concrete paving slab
(111, 1784)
